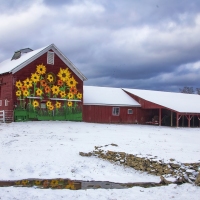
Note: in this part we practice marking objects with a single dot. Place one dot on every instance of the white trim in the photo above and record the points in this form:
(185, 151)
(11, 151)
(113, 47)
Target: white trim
(58, 53)
(50, 57)
(130, 111)
(2, 115)
(0, 102)
(68, 63)
(59, 99)
(34, 97)
(118, 105)
(6, 102)
(22, 65)
(115, 111)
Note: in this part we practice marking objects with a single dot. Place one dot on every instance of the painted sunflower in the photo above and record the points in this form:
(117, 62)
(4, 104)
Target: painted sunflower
(26, 93)
(54, 183)
(79, 96)
(41, 69)
(37, 182)
(62, 94)
(18, 84)
(70, 95)
(48, 103)
(64, 74)
(43, 83)
(18, 93)
(55, 89)
(71, 82)
(51, 107)
(70, 185)
(46, 184)
(35, 103)
(28, 83)
(50, 78)
(60, 82)
(58, 104)
(73, 90)
(39, 92)
(24, 182)
(69, 103)
(35, 77)
(18, 183)
(23, 88)
(47, 89)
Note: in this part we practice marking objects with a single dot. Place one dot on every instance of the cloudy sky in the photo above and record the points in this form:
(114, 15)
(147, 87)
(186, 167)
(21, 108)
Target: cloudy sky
(146, 44)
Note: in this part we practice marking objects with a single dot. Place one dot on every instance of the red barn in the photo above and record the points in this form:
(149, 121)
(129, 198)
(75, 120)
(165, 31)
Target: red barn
(44, 85)
(171, 108)
(116, 105)
(109, 105)
(40, 85)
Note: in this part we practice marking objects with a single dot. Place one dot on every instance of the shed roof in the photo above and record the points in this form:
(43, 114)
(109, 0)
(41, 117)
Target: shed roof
(107, 96)
(12, 66)
(180, 102)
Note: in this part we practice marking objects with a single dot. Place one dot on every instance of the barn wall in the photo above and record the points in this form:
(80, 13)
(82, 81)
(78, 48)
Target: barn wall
(144, 104)
(103, 114)
(31, 68)
(6, 92)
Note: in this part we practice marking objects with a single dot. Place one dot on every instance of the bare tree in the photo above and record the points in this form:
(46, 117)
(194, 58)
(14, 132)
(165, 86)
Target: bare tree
(187, 90)
(198, 91)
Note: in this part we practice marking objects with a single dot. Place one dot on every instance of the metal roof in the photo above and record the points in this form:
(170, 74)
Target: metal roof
(180, 102)
(107, 96)
(12, 66)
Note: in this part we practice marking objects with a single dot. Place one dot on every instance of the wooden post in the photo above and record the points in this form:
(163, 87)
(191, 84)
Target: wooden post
(193, 120)
(160, 118)
(189, 121)
(171, 118)
(177, 119)
(183, 120)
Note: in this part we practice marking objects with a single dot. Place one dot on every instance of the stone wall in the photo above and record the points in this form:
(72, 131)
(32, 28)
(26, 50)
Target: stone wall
(178, 172)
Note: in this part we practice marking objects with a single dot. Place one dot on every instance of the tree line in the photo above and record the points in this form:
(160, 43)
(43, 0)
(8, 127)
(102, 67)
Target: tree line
(189, 90)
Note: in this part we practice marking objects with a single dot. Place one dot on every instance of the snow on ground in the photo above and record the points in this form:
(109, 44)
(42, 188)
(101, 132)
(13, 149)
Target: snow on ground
(182, 192)
(51, 150)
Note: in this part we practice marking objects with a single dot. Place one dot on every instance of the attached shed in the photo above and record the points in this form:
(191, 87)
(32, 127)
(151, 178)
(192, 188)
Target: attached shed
(108, 105)
(172, 109)
(41, 85)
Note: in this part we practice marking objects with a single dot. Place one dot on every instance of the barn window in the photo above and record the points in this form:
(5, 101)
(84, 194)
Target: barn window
(6, 102)
(0, 102)
(130, 111)
(50, 58)
(43, 105)
(115, 111)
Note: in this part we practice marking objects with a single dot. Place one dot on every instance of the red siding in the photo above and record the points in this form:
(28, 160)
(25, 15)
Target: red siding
(31, 68)
(144, 104)
(6, 91)
(103, 114)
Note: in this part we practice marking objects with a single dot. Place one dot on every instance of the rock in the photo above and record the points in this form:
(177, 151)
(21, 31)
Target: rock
(168, 180)
(197, 181)
(174, 165)
(85, 154)
(114, 145)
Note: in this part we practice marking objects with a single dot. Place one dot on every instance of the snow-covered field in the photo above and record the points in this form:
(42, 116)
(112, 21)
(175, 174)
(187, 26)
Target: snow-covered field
(51, 150)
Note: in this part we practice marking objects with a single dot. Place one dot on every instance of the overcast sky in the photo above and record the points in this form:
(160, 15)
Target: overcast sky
(146, 44)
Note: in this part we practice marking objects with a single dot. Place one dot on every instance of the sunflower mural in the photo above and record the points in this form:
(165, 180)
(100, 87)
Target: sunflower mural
(48, 96)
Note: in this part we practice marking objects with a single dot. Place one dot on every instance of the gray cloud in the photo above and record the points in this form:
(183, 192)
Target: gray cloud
(136, 44)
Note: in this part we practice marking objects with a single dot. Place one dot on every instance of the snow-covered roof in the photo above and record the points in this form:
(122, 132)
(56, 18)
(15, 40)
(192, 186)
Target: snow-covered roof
(180, 102)
(107, 96)
(12, 66)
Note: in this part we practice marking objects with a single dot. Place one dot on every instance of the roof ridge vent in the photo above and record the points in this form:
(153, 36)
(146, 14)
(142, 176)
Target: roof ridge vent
(20, 52)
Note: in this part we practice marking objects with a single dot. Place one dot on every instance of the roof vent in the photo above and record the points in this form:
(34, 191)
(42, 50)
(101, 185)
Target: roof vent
(20, 52)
